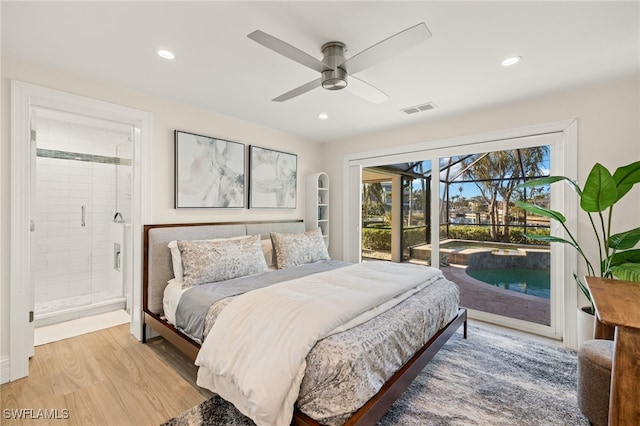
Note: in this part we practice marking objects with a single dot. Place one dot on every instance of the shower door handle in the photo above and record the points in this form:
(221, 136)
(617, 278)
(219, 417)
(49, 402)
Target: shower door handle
(82, 222)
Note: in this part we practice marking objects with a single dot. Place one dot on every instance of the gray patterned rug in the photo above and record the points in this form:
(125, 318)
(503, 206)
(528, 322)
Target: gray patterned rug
(488, 379)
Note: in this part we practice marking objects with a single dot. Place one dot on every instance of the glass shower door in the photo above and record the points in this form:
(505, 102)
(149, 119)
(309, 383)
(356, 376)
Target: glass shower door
(74, 208)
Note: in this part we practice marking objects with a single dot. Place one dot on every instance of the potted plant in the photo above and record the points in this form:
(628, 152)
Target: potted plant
(618, 256)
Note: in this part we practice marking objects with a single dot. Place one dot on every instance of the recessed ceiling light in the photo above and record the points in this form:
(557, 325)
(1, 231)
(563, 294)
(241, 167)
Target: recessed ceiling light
(511, 61)
(323, 116)
(166, 54)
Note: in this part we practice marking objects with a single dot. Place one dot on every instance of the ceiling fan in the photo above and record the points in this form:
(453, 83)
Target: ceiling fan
(336, 70)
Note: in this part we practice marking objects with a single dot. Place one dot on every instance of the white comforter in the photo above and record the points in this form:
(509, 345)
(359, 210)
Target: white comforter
(254, 355)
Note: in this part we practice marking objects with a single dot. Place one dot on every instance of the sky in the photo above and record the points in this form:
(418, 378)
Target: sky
(469, 189)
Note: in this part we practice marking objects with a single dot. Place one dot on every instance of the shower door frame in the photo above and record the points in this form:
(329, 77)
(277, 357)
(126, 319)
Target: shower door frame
(84, 215)
(24, 96)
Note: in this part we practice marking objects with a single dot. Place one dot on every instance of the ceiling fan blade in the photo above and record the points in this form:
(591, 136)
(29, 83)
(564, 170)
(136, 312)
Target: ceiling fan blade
(388, 48)
(364, 90)
(285, 49)
(298, 91)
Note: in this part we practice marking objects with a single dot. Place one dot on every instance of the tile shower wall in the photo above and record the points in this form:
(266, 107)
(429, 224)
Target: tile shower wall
(124, 152)
(70, 260)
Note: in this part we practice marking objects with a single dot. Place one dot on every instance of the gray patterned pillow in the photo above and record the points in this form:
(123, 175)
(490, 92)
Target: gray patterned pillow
(211, 261)
(298, 248)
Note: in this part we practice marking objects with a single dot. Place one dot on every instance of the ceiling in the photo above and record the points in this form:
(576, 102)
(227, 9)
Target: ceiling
(218, 68)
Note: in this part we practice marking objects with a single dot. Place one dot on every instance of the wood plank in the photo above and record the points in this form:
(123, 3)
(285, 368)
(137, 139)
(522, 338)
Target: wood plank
(616, 301)
(112, 380)
(617, 304)
(624, 409)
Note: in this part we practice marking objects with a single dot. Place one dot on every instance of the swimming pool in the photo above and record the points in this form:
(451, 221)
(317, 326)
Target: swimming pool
(536, 282)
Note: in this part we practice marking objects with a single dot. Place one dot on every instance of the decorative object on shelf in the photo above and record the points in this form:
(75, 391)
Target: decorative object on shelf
(272, 179)
(209, 172)
(317, 204)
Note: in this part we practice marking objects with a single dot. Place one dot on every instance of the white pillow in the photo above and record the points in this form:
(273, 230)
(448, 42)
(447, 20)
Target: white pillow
(299, 248)
(176, 258)
(267, 251)
(207, 261)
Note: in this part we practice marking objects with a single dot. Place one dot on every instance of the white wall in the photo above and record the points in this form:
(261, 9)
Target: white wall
(167, 116)
(608, 116)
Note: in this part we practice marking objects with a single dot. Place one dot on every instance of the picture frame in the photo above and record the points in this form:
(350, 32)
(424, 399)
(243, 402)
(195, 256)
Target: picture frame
(273, 177)
(209, 172)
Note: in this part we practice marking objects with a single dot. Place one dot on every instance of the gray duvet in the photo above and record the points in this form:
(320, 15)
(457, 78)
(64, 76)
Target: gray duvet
(345, 369)
(194, 304)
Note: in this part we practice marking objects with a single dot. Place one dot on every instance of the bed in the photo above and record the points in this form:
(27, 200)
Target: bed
(351, 375)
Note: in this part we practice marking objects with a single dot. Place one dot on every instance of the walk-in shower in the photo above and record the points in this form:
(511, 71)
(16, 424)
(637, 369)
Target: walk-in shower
(81, 213)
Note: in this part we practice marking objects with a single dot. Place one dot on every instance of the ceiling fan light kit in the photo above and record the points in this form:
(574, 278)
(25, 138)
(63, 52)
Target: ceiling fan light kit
(334, 67)
(335, 77)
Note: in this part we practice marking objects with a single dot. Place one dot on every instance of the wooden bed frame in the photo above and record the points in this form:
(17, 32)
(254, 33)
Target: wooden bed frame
(369, 413)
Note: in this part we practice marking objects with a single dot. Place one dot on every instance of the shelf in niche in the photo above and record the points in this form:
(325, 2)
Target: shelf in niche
(317, 204)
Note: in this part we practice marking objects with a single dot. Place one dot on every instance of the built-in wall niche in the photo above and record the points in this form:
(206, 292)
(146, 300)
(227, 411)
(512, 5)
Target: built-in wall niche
(317, 204)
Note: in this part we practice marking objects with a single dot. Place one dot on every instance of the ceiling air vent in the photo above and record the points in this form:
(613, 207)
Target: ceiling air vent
(418, 108)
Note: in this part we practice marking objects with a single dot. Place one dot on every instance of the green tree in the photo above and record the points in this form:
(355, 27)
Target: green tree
(496, 174)
(373, 202)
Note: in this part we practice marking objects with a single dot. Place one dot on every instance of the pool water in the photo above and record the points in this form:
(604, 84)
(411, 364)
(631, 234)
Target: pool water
(535, 282)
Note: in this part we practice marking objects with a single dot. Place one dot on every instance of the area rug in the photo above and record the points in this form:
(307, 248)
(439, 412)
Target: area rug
(488, 379)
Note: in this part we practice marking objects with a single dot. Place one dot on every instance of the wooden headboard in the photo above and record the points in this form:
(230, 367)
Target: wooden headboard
(158, 269)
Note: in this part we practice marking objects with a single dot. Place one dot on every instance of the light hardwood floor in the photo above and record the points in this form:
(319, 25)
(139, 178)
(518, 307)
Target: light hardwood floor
(104, 378)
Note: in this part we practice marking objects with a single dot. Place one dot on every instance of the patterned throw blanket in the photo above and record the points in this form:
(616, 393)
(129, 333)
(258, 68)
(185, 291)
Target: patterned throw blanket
(259, 368)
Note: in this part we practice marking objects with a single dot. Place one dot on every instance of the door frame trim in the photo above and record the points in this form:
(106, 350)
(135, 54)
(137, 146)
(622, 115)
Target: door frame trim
(24, 96)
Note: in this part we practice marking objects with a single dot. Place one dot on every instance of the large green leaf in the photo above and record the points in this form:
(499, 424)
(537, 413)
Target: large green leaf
(625, 240)
(629, 256)
(548, 181)
(625, 177)
(541, 211)
(599, 191)
(627, 272)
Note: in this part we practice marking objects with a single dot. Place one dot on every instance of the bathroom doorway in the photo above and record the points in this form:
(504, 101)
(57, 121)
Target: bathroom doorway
(81, 211)
(24, 98)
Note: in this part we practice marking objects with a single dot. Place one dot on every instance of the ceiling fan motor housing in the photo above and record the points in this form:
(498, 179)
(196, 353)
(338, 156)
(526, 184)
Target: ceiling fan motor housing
(336, 77)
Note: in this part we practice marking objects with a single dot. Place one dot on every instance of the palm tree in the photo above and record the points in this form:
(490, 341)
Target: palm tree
(496, 174)
(373, 203)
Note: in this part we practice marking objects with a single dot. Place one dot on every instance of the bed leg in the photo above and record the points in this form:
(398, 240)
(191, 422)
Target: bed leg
(144, 332)
(464, 328)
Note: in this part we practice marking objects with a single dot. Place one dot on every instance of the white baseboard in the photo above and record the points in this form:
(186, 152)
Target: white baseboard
(5, 371)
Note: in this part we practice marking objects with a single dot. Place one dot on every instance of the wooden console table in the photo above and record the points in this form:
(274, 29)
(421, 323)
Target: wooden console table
(618, 304)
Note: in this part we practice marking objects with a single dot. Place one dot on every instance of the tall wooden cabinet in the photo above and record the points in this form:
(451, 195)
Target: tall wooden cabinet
(317, 204)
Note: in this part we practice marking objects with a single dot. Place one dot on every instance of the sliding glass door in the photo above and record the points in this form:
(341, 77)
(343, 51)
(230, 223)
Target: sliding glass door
(481, 239)
(486, 243)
